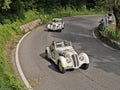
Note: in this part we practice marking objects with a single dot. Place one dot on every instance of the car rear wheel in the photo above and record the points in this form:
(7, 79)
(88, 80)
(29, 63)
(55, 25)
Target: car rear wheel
(62, 70)
(46, 54)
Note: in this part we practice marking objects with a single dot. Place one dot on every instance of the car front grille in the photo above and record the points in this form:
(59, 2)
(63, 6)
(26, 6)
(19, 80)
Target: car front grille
(75, 60)
(54, 26)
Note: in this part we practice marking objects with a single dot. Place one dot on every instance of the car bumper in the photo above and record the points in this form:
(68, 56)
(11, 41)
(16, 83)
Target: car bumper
(68, 67)
(50, 27)
(55, 29)
(71, 67)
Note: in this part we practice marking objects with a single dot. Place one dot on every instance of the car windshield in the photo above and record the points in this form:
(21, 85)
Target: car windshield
(57, 20)
(59, 45)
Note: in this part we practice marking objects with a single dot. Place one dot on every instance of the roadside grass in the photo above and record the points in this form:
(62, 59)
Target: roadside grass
(45, 17)
(10, 33)
(8, 80)
(110, 32)
(9, 36)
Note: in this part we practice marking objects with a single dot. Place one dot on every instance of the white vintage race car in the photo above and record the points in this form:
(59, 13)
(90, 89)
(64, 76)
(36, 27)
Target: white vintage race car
(57, 24)
(63, 55)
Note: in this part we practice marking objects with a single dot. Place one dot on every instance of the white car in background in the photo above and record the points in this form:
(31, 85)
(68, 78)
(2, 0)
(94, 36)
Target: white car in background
(63, 55)
(57, 24)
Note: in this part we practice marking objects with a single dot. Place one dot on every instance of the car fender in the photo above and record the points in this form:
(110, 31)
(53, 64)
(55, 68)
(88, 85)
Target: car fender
(63, 61)
(49, 26)
(83, 58)
(48, 52)
(63, 26)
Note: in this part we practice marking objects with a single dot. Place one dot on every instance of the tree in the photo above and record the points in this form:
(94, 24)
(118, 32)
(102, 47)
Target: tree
(90, 4)
(4, 5)
(116, 11)
(16, 7)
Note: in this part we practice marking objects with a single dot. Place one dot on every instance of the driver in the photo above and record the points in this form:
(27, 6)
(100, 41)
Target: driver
(53, 43)
(52, 46)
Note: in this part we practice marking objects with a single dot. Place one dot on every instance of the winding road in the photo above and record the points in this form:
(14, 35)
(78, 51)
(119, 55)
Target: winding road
(42, 74)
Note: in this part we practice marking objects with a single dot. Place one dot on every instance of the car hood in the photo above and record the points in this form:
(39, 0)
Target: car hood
(66, 51)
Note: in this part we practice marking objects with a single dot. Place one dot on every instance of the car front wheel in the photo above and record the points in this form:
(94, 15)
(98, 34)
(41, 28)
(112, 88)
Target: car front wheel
(85, 66)
(46, 54)
(62, 70)
(59, 30)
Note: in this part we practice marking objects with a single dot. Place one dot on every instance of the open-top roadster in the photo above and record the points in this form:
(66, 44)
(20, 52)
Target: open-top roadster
(57, 24)
(63, 55)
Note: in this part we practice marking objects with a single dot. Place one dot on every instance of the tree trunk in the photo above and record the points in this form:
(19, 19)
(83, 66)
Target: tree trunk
(116, 11)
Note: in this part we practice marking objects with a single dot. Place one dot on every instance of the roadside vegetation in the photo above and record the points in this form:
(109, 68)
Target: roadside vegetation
(13, 14)
(110, 33)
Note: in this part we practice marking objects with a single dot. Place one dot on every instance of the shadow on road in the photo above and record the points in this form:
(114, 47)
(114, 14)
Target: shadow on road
(52, 64)
(52, 30)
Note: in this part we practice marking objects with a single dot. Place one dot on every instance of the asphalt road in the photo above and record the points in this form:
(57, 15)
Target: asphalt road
(42, 74)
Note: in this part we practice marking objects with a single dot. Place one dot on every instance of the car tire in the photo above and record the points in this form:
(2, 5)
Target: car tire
(46, 54)
(48, 30)
(85, 66)
(61, 69)
(60, 30)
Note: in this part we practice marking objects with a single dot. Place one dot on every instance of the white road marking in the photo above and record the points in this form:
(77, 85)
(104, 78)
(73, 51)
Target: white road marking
(18, 64)
(94, 34)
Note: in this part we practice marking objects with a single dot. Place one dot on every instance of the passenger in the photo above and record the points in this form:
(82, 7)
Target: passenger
(66, 43)
(106, 20)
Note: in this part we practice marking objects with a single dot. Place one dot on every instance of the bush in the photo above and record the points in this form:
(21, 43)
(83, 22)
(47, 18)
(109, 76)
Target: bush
(8, 80)
(6, 21)
(111, 34)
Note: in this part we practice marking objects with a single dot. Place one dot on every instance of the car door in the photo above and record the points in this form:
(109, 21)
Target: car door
(53, 52)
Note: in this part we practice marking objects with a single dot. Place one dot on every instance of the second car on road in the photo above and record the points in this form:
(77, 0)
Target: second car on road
(57, 24)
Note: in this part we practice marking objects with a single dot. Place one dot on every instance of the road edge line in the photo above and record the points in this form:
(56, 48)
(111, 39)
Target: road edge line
(18, 64)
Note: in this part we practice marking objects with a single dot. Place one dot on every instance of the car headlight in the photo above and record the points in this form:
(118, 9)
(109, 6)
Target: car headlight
(81, 58)
(68, 60)
(48, 25)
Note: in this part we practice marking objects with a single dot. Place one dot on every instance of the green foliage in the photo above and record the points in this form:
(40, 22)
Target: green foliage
(8, 81)
(5, 4)
(68, 11)
(18, 7)
(30, 15)
(111, 34)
